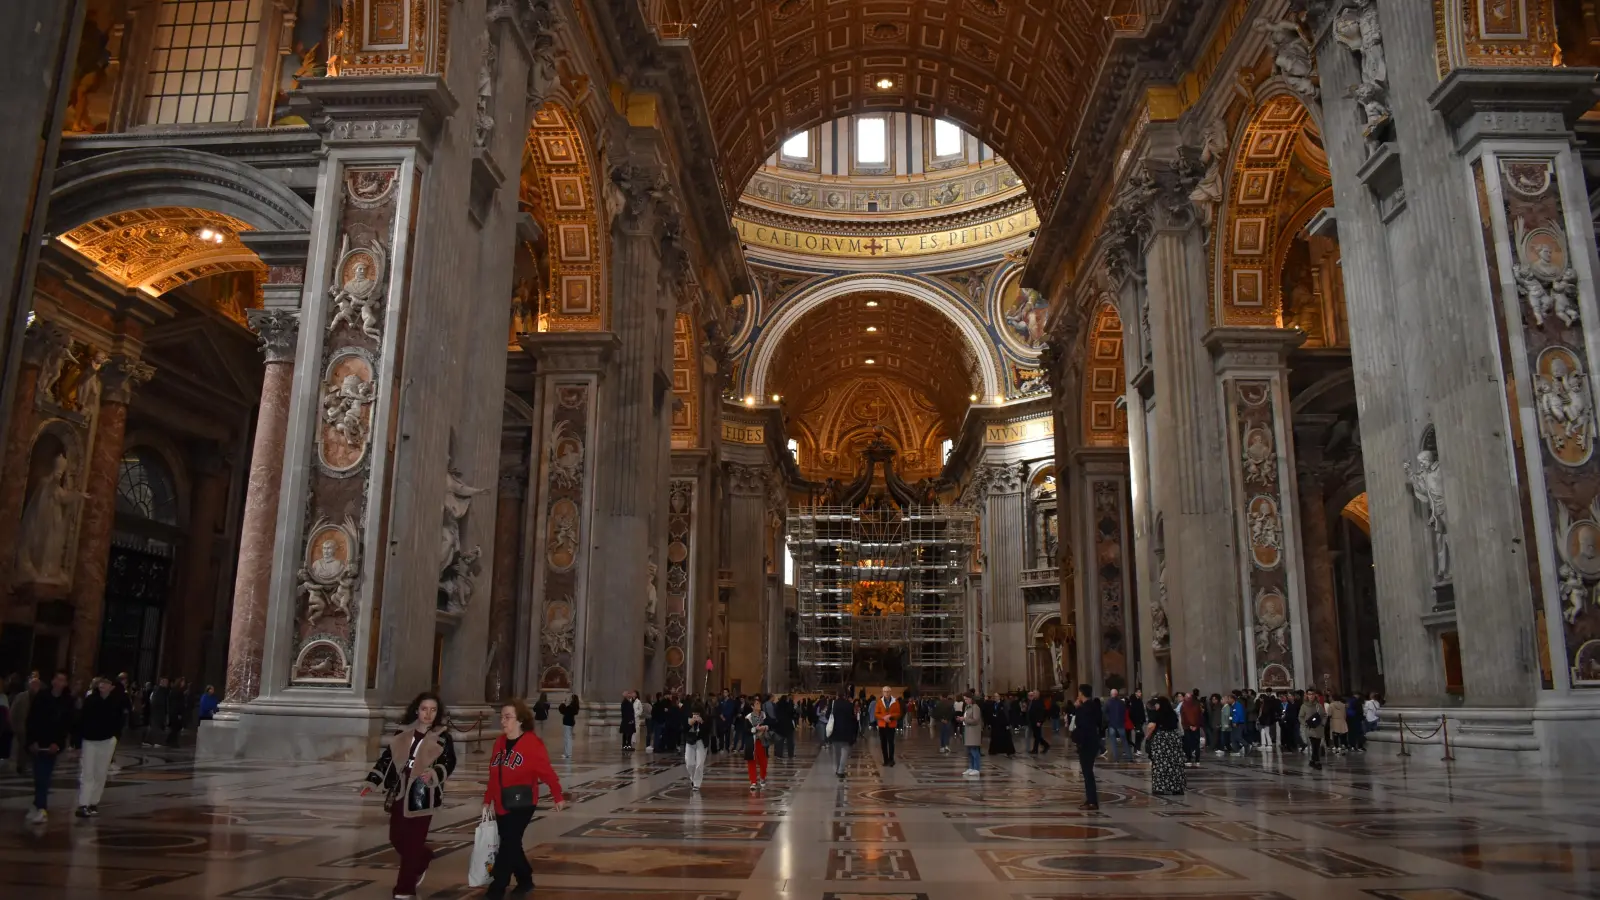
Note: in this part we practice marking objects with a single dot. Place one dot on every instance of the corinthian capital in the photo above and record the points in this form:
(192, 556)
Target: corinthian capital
(278, 330)
(633, 194)
(746, 480)
(120, 375)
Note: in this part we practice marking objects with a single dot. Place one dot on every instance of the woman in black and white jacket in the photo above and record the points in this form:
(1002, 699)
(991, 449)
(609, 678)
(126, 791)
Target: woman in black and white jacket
(412, 770)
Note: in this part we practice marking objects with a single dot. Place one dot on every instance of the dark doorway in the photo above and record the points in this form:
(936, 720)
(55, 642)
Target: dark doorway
(136, 597)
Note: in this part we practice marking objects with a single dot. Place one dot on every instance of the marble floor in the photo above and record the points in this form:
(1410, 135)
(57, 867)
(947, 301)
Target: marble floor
(1252, 829)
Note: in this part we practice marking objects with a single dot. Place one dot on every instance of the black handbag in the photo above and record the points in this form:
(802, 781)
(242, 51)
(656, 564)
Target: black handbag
(517, 797)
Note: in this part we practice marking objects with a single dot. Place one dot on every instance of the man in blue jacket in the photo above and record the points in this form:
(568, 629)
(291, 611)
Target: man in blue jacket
(1116, 712)
(1086, 728)
(845, 729)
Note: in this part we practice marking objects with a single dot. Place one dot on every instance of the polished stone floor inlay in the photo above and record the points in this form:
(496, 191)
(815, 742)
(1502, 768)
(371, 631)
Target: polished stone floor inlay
(1263, 827)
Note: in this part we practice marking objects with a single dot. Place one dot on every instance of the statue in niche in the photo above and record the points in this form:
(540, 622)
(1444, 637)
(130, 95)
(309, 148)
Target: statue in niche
(457, 566)
(483, 117)
(85, 391)
(1574, 593)
(1427, 483)
(50, 369)
(1358, 30)
(46, 522)
(328, 583)
(652, 632)
(459, 578)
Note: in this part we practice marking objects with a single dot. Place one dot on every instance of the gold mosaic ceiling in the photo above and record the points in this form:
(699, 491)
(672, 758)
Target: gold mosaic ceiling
(161, 248)
(1015, 73)
(910, 343)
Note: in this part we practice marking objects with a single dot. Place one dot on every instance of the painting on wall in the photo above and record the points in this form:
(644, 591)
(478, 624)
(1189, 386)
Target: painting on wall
(1019, 317)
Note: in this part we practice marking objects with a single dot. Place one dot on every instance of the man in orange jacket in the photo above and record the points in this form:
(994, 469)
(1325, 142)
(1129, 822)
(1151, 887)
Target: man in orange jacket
(886, 711)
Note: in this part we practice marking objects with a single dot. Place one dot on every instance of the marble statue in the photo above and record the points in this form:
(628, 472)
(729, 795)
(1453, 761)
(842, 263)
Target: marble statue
(328, 581)
(1357, 29)
(46, 523)
(457, 503)
(1427, 483)
(459, 578)
(344, 407)
(1264, 527)
(1160, 629)
(50, 369)
(1574, 593)
(1566, 413)
(1056, 671)
(1260, 462)
(90, 386)
(482, 117)
(1545, 285)
(1208, 192)
(652, 632)
(1291, 56)
(355, 295)
(800, 195)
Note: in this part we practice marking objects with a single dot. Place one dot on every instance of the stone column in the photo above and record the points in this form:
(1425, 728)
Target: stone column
(278, 330)
(1004, 547)
(1107, 633)
(197, 589)
(1152, 223)
(747, 527)
(503, 593)
(631, 465)
(118, 377)
(44, 342)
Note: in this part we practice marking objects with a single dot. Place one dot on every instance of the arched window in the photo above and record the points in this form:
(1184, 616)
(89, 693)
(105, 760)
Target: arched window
(145, 488)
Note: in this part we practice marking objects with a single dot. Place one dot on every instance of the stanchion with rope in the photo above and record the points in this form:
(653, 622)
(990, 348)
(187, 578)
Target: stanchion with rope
(477, 723)
(1401, 718)
(1444, 726)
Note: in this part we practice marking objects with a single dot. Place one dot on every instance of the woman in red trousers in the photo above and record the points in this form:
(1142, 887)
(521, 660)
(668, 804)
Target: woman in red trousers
(412, 770)
(752, 728)
(516, 767)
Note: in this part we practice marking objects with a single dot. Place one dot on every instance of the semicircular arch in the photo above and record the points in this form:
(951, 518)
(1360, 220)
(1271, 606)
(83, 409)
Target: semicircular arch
(559, 183)
(125, 180)
(991, 368)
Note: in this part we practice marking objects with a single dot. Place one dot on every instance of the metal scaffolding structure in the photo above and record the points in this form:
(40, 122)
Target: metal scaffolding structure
(923, 549)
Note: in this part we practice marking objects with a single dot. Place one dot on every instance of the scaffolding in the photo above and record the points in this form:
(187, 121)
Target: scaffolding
(924, 550)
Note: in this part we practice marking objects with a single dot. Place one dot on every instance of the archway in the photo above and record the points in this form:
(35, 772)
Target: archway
(990, 369)
(561, 282)
(1105, 419)
(1051, 651)
(126, 180)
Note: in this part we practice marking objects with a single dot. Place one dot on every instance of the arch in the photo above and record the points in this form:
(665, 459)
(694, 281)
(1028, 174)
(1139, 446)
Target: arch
(125, 180)
(558, 184)
(991, 368)
(147, 489)
(1247, 289)
(1105, 423)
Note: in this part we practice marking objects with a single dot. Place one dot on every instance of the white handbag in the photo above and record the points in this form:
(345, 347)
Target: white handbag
(485, 844)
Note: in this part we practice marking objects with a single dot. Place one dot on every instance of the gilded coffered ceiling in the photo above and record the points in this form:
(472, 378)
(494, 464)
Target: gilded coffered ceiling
(158, 249)
(1015, 73)
(838, 424)
(906, 341)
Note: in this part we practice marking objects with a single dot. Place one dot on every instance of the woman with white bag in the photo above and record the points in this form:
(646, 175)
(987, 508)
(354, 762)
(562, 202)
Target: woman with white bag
(412, 770)
(518, 764)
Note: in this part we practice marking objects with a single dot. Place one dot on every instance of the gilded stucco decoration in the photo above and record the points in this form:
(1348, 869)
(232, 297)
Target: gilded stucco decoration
(558, 188)
(1276, 170)
(1104, 424)
(1502, 33)
(1015, 74)
(685, 383)
(161, 248)
(836, 426)
(388, 37)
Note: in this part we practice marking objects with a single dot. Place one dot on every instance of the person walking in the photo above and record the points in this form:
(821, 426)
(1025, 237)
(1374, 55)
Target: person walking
(1338, 725)
(998, 717)
(411, 770)
(518, 764)
(1087, 725)
(158, 704)
(943, 714)
(1370, 711)
(696, 737)
(541, 713)
(886, 713)
(100, 722)
(1192, 716)
(842, 731)
(630, 720)
(1236, 734)
(1268, 711)
(49, 726)
(972, 735)
(1138, 713)
(1163, 746)
(1116, 714)
(783, 726)
(569, 722)
(1037, 714)
(1313, 719)
(753, 726)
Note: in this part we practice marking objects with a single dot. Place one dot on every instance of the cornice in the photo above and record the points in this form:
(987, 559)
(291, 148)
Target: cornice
(1008, 206)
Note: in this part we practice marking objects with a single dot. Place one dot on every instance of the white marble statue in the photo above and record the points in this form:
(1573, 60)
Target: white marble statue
(1427, 483)
(1291, 56)
(1566, 413)
(1264, 528)
(50, 370)
(344, 406)
(459, 578)
(90, 387)
(1574, 593)
(1056, 672)
(356, 298)
(46, 523)
(1208, 192)
(457, 503)
(483, 116)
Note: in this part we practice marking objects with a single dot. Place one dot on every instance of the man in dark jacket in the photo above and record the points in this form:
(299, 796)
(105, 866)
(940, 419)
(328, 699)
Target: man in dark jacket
(49, 726)
(1036, 720)
(104, 713)
(845, 728)
(1137, 713)
(1086, 730)
(156, 707)
(629, 723)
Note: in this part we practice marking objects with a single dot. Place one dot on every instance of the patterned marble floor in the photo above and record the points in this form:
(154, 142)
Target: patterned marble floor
(1262, 828)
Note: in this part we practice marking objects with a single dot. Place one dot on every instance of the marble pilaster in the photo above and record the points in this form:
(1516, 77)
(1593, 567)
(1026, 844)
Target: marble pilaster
(503, 592)
(185, 621)
(747, 527)
(1004, 548)
(1107, 634)
(1323, 626)
(118, 378)
(1250, 366)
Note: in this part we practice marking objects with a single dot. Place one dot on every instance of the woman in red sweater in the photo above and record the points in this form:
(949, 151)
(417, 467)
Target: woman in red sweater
(519, 762)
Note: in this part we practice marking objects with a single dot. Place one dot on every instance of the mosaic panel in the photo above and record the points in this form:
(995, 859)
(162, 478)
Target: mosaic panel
(1110, 580)
(645, 861)
(871, 864)
(686, 829)
(1329, 863)
(680, 575)
(866, 831)
(1100, 865)
(1516, 857)
(1051, 831)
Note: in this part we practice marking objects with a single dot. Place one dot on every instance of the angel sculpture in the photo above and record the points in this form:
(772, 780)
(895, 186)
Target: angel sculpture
(356, 297)
(1427, 483)
(1573, 594)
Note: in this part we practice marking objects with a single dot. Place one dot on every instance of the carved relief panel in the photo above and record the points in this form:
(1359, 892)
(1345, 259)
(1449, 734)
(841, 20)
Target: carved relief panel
(1266, 584)
(1540, 313)
(680, 576)
(1110, 585)
(331, 582)
(560, 540)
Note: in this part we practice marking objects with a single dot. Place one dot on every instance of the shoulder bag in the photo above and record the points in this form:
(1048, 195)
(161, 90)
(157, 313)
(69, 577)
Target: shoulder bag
(516, 797)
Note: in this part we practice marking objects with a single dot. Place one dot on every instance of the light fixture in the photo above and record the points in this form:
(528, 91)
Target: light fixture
(776, 398)
(870, 361)
(872, 303)
(885, 83)
(210, 235)
(973, 398)
(999, 398)
(872, 328)
(750, 401)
